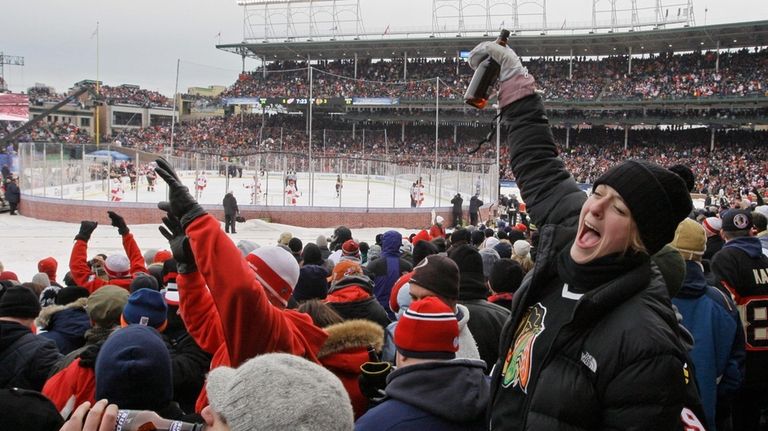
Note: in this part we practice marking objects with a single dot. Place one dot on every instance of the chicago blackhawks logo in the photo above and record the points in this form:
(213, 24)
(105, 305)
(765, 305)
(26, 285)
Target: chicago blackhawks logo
(517, 364)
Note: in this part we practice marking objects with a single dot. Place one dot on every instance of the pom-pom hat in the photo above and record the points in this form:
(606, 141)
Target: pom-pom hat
(428, 329)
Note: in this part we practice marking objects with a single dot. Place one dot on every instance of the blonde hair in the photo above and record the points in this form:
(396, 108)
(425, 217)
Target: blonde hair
(525, 262)
(635, 241)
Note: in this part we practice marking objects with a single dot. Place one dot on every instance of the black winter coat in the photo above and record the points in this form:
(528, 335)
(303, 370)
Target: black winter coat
(457, 201)
(486, 319)
(190, 364)
(617, 362)
(25, 358)
(474, 204)
(230, 204)
(368, 308)
(12, 193)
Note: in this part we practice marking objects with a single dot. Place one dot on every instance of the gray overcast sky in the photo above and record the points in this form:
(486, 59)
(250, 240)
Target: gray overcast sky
(140, 40)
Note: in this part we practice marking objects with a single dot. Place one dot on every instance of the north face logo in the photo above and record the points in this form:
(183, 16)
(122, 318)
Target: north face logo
(589, 361)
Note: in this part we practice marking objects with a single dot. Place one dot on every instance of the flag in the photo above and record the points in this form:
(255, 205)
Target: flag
(218, 34)
(562, 26)
(95, 32)
(386, 30)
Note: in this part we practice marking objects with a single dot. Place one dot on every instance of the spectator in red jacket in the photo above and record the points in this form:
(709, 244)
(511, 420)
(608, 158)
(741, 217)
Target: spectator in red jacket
(241, 313)
(117, 269)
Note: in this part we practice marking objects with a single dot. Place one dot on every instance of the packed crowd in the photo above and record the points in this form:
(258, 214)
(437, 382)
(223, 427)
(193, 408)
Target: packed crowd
(621, 308)
(141, 329)
(133, 95)
(661, 76)
(121, 94)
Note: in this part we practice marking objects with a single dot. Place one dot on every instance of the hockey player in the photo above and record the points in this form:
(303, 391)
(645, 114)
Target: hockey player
(116, 190)
(255, 187)
(151, 177)
(200, 183)
(291, 194)
(420, 193)
(339, 185)
(133, 176)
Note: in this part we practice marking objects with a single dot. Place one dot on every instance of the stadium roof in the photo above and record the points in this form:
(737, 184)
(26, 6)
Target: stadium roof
(729, 36)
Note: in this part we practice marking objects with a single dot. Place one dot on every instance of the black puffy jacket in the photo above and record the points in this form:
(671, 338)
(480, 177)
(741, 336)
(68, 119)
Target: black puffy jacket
(25, 358)
(617, 362)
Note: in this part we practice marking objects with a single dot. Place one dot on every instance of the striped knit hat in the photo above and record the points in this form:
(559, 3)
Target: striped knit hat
(277, 270)
(428, 330)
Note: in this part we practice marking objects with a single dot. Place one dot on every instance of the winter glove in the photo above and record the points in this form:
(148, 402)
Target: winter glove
(504, 55)
(119, 222)
(181, 204)
(182, 251)
(86, 229)
(373, 379)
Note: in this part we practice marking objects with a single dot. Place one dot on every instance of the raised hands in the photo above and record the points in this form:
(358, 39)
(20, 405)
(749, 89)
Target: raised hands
(86, 229)
(119, 222)
(181, 204)
(182, 252)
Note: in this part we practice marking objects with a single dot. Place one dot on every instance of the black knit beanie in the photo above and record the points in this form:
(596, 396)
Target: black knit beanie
(438, 274)
(68, 295)
(506, 276)
(295, 245)
(423, 249)
(478, 237)
(460, 234)
(145, 281)
(20, 302)
(657, 198)
(311, 255)
(467, 258)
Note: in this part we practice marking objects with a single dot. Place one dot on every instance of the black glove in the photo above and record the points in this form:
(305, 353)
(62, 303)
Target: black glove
(182, 251)
(86, 229)
(119, 222)
(181, 203)
(373, 379)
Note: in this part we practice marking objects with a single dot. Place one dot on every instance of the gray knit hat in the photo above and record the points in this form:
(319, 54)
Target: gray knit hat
(278, 391)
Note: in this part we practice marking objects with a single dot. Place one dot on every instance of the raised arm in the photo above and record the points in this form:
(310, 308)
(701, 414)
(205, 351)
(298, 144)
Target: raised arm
(548, 189)
(129, 243)
(78, 259)
(250, 323)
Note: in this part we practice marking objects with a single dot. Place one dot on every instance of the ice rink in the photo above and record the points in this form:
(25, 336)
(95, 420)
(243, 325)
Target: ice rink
(361, 191)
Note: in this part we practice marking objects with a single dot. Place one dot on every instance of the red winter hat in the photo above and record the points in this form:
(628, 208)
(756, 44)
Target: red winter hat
(161, 256)
(428, 330)
(402, 281)
(9, 275)
(521, 227)
(423, 235)
(49, 267)
(350, 248)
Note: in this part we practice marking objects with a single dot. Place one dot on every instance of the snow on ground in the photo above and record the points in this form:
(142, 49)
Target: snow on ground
(25, 240)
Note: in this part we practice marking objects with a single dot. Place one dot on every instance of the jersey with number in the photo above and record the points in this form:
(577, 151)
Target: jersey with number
(742, 269)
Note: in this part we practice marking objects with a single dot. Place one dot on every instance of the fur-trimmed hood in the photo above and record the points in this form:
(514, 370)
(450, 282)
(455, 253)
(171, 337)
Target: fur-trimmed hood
(46, 314)
(351, 334)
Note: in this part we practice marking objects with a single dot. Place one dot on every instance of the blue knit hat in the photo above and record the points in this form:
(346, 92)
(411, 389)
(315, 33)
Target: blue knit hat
(145, 307)
(133, 369)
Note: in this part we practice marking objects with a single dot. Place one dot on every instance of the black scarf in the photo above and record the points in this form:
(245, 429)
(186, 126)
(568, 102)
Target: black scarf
(582, 278)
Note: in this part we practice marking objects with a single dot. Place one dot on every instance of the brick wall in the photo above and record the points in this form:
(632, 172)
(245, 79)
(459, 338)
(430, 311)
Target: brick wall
(74, 211)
